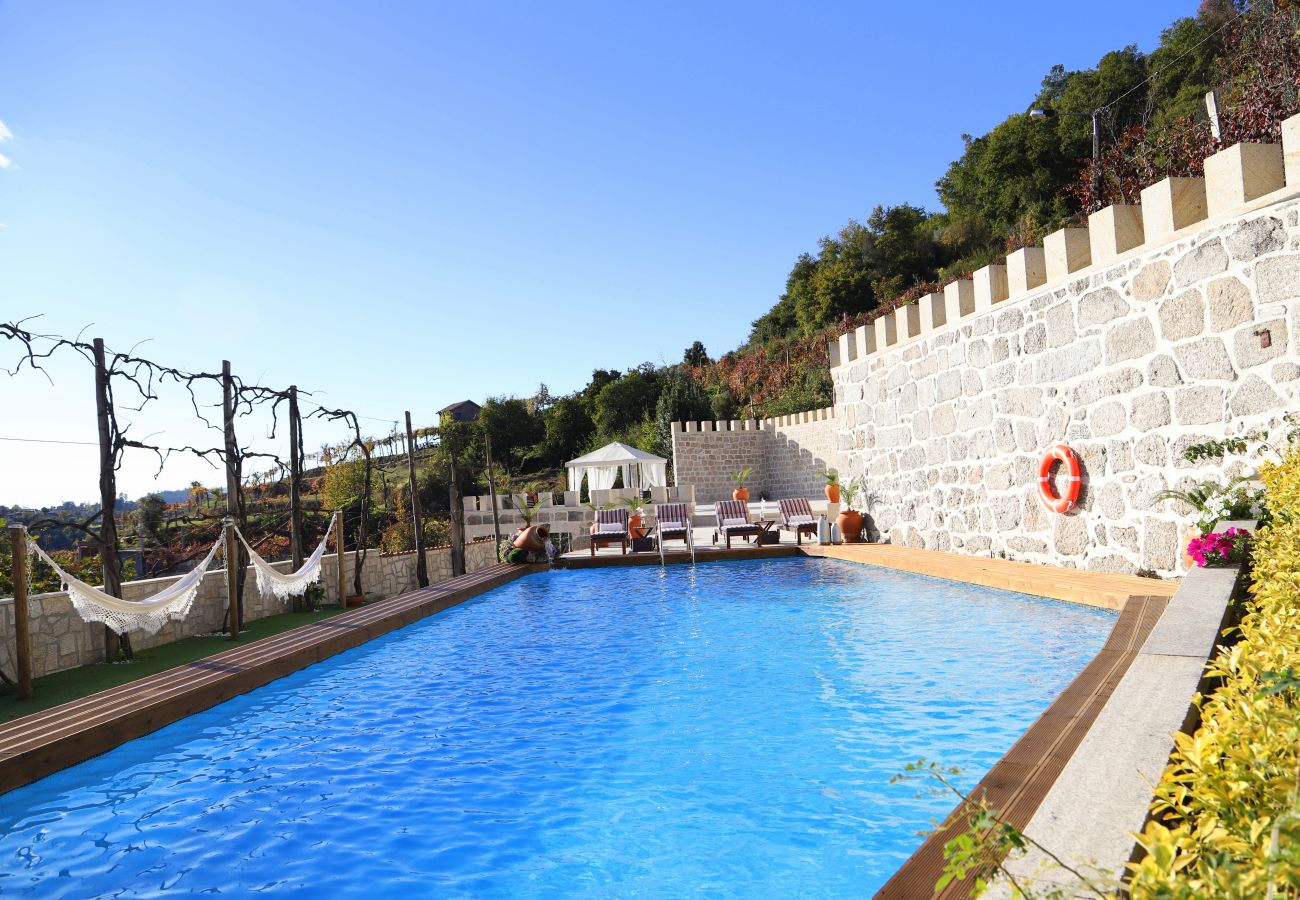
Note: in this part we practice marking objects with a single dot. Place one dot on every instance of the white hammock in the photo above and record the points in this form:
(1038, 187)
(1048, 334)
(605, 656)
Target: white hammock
(172, 602)
(273, 582)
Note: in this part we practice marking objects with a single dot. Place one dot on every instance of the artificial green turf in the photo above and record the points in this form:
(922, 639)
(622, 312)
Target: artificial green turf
(72, 684)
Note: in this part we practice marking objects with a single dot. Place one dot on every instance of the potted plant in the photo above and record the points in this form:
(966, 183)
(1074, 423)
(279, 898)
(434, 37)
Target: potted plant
(530, 492)
(741, 492)
(635, 524)
(852, 521)
(832, 486)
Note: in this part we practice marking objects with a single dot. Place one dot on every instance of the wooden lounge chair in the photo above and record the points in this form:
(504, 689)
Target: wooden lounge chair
(673, 523)
(797, 516)
(733, 519)
(610, 526)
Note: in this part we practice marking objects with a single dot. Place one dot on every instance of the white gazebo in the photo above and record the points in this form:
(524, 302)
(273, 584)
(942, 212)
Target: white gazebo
(640, 469)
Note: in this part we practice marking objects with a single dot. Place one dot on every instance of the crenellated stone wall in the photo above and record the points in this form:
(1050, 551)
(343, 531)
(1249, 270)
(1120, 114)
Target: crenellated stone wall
(787, 455)
(61, 640)
(1129, 366)
(1157, 326)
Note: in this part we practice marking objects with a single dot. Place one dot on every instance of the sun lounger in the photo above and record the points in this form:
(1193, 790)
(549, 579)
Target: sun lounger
(610, 526)
(733, 519)
(672, 522)
(796, 516)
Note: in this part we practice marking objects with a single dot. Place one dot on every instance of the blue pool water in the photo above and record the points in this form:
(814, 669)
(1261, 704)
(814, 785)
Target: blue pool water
(729, 730)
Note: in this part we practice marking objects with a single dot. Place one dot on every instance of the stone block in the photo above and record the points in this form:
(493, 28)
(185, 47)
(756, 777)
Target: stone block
(1060, 324)
(1150, 411)
(1277, 279)
(1229, 303)
(848, 349)
(1241, 173)
(959, 299)
(990, 286)
(1254, 397)
(909, 321)
(934, 312)
(864, 340)
(1100, 306)
(886, 328)
(1129, 340)
(1182, 316)
(1201, 262)
(1108, 419)
(1151, 282)
(1247, 343)
(1253, 239)
(1205, 360)
(1198, 405)
(1113, 231)
(1026, 270)
(1066, 251)
(1291, 150)
(1171, 205)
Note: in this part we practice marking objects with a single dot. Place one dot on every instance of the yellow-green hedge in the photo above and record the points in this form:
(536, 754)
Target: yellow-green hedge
(1226, 822)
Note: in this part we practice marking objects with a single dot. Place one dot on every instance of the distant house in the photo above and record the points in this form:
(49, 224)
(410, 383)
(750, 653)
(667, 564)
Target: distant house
(464, 411)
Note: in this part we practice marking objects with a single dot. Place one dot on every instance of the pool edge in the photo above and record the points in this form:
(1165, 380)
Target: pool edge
(53, 739)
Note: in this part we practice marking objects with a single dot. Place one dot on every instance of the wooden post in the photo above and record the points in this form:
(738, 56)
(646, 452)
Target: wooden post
(421, 566)
(22, 629)
(295, 480)
(338, 557)
(232, 504)
(457, 516)
(112, 571)
(492, 492)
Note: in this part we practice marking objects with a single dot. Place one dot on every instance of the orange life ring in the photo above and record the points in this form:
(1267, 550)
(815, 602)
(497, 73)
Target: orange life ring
(1070, 460)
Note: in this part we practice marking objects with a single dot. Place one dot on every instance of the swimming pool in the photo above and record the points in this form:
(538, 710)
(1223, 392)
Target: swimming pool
(728, 728)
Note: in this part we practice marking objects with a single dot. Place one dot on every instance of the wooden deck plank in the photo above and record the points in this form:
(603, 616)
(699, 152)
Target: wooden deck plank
(1103, 589)
(35, 746)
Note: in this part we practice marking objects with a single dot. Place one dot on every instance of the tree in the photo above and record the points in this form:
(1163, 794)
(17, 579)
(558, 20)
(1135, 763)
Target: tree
(696, 355)
(567, 429)
(149, 514)
(513, 429)
(622, 405)
(681, 400)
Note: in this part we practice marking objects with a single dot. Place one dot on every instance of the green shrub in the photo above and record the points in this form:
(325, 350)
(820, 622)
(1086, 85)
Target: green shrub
(1225, 821)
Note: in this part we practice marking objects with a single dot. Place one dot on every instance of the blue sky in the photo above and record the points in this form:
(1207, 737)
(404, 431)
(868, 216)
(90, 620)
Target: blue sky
(405, 204)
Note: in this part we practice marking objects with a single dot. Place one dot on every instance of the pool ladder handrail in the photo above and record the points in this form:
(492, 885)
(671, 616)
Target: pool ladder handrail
(690, 539)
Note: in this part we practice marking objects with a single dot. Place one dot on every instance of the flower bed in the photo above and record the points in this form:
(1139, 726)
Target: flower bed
(1226, 820)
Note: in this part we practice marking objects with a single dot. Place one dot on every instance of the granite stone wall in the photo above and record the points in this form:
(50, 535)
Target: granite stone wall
(61, 640)
(788, 455)
(1129, 365)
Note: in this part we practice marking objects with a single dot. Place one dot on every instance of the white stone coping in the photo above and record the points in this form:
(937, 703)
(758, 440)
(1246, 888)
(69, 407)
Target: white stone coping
(1101, 798)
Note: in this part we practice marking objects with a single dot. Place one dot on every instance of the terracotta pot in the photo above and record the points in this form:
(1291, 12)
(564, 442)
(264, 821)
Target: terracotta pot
(635, 527)
(850, 525)
(533, 538)
(741, 494)
(832, 493)
(357, 600)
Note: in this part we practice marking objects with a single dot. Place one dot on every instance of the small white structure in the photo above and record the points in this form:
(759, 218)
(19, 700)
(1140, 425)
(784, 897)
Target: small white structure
(640, 469)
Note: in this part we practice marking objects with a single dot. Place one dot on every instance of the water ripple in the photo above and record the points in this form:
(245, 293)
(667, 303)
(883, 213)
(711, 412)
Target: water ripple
(728, 730)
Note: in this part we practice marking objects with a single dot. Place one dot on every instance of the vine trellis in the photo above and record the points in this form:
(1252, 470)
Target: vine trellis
(144, 380)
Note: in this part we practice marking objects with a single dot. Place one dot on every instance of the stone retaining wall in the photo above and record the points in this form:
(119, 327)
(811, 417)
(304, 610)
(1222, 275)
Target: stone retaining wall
(61, 640)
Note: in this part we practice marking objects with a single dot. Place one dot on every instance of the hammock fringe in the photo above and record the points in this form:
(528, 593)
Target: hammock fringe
(172, 603)
(272, 582)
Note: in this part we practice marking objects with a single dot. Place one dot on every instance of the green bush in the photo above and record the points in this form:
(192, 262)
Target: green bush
(1225, 821)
